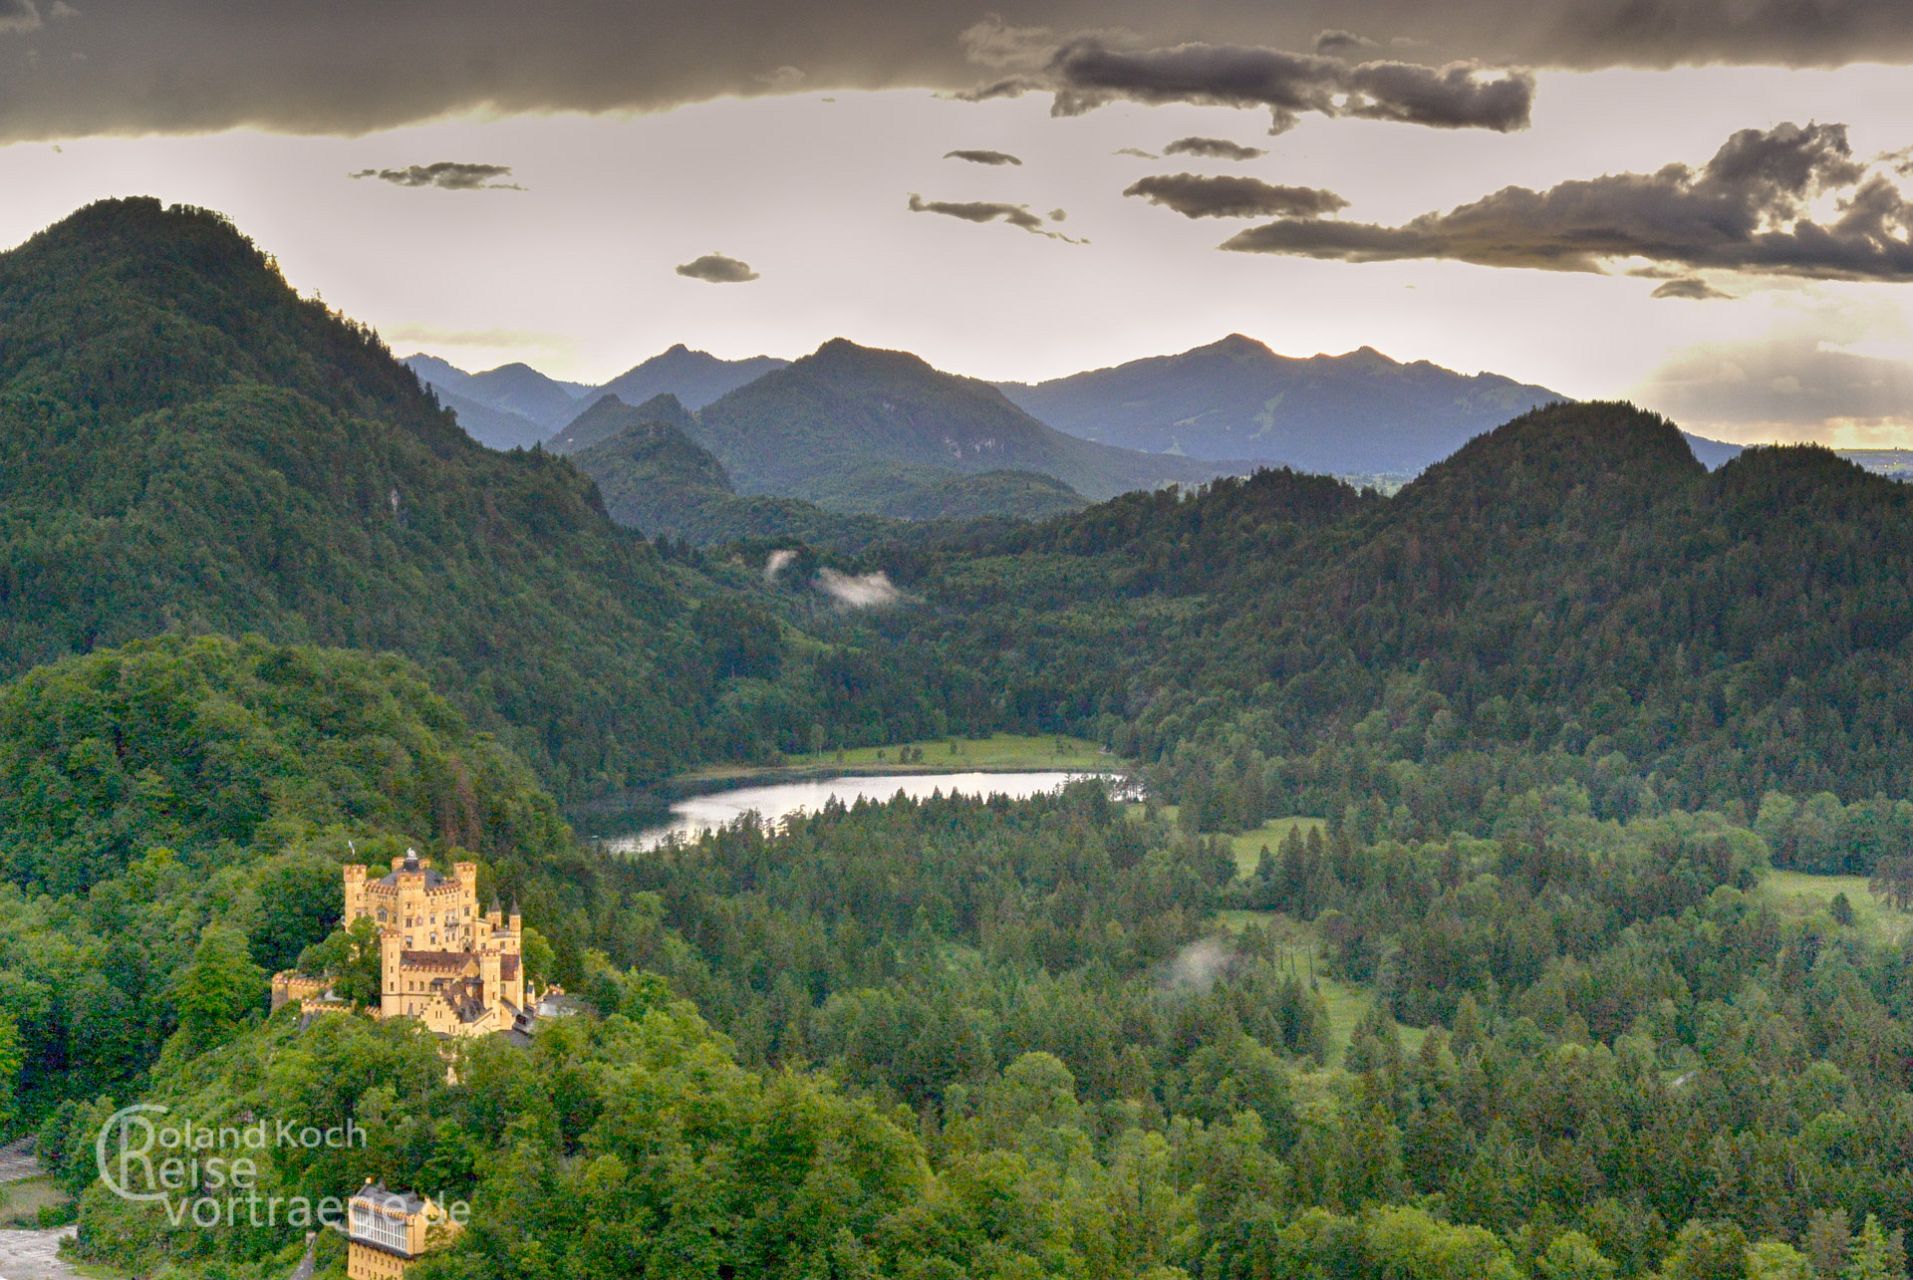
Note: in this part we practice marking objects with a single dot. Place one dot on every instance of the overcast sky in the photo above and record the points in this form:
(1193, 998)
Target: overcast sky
(1558, 193)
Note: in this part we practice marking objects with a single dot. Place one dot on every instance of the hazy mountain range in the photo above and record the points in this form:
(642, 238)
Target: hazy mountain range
(1359, 413)
(854, 429)
(1233, 405)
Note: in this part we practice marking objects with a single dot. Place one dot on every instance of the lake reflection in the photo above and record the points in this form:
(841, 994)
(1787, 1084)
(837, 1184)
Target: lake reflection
(693, 817)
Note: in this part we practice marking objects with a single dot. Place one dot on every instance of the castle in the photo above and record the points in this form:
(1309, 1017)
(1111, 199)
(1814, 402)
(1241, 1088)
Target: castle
(456, 971)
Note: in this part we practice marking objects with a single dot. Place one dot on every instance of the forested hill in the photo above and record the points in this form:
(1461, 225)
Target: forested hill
(1572, 597)
(608, 416)
(152, 791)
(187, 445)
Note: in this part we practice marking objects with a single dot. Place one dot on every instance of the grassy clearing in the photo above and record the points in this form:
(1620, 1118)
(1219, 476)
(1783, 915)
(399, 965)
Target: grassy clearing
(1799, 893)
(1249, 845)
(24, 1199)
(1347, 1002)
(998, 752)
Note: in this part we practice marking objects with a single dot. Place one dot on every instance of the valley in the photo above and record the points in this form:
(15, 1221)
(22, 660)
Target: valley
(1513, 884)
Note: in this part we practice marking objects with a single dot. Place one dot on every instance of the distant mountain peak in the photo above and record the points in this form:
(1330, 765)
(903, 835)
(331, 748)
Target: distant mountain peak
(695, 377)
(845, 347)
(844, 351)
(1241, 344)
(794, 432)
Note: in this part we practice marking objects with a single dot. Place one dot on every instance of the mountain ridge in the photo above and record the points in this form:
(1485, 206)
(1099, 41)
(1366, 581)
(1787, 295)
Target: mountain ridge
(1361, 412)
(847, 404)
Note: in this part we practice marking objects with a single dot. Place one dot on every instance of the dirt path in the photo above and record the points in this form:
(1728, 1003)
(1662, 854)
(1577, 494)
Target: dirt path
(34, 1255)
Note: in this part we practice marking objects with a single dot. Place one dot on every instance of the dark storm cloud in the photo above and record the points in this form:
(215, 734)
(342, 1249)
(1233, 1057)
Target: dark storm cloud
(179, 66)
(1337, 44)
(715, 268)
(1213, 149)
(982, 157)
(1196, 196)
(1016, 215)
(1457, 96)
(1090, 71)
(1746, 210)
(1690, 287)
(447, 174)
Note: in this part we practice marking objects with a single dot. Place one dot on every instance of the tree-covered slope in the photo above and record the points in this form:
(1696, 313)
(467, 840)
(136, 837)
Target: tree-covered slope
(155, 791)
(845, 407)
(655, 478)
(608, 415)
(186, 445)
(1572, 596)
(915, 492)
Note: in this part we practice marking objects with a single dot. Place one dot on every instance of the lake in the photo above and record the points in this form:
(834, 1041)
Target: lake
(692, 817)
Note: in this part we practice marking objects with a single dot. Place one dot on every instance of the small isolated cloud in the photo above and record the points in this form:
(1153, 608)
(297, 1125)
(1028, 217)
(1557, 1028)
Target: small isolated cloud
(1341, 44)
(858, 591)
(1690, 287)
(1019, 216)
(1751, 208)
(716, 268)
(982, 157)
(1091, 70)
(1213, 149)
(1196, 196)
(448, 175)
(1138, 152)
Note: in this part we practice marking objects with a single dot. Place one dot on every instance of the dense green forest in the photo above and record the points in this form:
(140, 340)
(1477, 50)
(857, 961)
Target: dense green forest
(190, 447)
(654, 478)
(1571, 598)
(1519, 890)
(1059, 1036)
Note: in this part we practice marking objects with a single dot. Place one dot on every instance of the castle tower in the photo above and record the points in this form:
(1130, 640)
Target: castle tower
(354, 893)
(490, 969)
(391, 973)
(466, 876)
